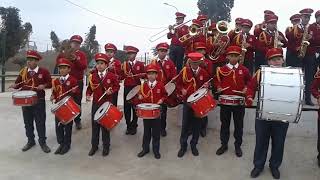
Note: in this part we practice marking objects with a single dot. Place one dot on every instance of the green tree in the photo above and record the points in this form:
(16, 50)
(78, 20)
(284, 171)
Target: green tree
(90, 45)
(55, 41)
(216, 10)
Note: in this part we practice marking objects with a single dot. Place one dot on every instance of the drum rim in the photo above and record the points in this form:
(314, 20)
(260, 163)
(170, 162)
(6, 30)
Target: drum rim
(156, 106)
(29, 95)
(60, 103)
(196, 99)
(107, 109)
(138, 88)
(226, 97)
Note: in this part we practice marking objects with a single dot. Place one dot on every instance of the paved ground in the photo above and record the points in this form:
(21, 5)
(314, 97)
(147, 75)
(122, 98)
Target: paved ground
(122, 163)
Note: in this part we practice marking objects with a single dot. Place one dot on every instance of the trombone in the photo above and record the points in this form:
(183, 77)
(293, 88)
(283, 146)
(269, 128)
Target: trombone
(163, 32)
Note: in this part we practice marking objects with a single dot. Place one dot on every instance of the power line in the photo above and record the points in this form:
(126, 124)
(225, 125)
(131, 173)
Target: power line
(111, 19)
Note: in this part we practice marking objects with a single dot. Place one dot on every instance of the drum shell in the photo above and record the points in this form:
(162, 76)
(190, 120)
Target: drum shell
(111, 117)
(147, 113)
(231, 100)
(67, 111)
(28, 100)
(203, 105)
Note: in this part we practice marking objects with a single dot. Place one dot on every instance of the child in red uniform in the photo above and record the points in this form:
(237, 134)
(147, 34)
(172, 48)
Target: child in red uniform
(102, 85)
(152, 91)
(65, 85)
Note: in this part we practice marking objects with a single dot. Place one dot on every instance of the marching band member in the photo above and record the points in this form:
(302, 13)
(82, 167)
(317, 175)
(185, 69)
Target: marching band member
(295, 19)
(237, 29)
(248, 44)
(207, 64)
(191, 79)
(65, 85)
(295, 58)
(235, 77)
(79, 65)
(167, 71)
(258, 28)
(202, 18)
(152, 91)
(267, 129)
(102, 85)
(266, 40)
(133, 70)
(315, 86)
(316, 35)
(114, 66)
(177, 50)
(35, 78)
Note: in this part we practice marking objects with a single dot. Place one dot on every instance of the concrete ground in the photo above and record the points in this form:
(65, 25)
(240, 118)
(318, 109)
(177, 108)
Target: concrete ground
(122, 163)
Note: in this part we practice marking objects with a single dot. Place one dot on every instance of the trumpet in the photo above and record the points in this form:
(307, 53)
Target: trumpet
(164, 32)
(223, 29)
(193, 31)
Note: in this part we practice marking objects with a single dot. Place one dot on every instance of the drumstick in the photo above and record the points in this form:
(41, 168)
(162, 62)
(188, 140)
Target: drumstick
(109, 89)
(67, 92)
(134, 75)
(206, 83)
(238, 91)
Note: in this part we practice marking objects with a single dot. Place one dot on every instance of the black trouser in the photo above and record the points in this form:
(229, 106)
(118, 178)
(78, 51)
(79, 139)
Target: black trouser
(249, 64)
(225, 118)
(96, 130)
(189, 121)
(204, 123)
(63, 132)
(35, 113)
(151, 128)
(115, 98)
(318, 143)
(292, 59)
(277, 131)
(78, 99)
(163, 116)
(310, 68)
(260, 59)
(128, 106)
(176, 54)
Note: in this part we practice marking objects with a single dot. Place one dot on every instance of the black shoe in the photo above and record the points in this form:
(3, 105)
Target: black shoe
(203, 132)
(128, 131)
(105, 151)
(133, 131)
(58, 151)
(275, 173)
(157, 155)
(45, 148)
(28, 146)
(65, 149)
(195, 151)
(255, 172)
(181, 152)
(238, 152)
(163, 133)
(93, 150)
(142, 153)
(78, 126)
(222, 150)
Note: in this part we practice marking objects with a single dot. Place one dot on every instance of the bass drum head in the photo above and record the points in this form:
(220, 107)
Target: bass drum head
(148, 106)
(101, 111)
(170, 87)
(133, 92)
(197, 95)
(24, 94)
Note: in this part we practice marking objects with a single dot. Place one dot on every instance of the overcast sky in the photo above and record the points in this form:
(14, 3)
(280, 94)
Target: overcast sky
(66, 19)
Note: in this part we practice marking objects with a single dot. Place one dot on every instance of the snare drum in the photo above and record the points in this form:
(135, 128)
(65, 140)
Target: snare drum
(173, 99)
(24, 98)
(66, 110)
(231, 100)
(280, 94)
(132, 95)
(201, 102)
(148, 111)
(108, 115)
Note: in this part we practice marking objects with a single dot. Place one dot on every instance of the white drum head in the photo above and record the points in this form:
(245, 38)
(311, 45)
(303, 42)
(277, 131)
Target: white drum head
(197, 95)
(101, 111)
(24, 94)
(170, 87)
(60, 103)
(133, 92)
(148, 106)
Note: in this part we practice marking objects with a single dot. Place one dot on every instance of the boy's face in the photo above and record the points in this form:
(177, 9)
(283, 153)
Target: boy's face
(101, 66)
(318, 20)
(271, 26)
(194, 66)
(233, 58)
(179, 20)
(75, 45)
(64, 70)
(110, 53)
(295, 22)
(152, 76)
(246, 29)
(162, 53)
(276, 61)
(305, 19)
(131, 56)
(32, 63)
(202, 51)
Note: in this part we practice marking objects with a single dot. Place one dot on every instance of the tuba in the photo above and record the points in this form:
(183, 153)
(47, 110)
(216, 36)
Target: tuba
(223, 29)
(67, 51)
(304, 43)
